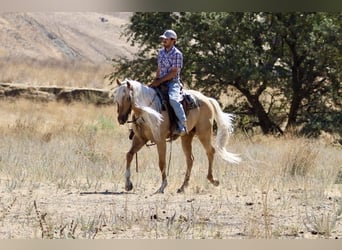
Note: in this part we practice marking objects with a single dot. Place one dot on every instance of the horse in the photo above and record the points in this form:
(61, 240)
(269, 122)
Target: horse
(152, 123)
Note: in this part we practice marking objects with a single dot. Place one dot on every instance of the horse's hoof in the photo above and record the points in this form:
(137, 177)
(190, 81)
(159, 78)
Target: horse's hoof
(180, 190)
(159, 191)
(129, 186)
(216, 183)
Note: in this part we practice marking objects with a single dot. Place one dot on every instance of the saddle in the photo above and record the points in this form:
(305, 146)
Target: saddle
(188, 102)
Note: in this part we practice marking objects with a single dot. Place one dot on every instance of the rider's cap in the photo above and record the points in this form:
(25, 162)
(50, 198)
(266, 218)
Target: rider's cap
(169, 34)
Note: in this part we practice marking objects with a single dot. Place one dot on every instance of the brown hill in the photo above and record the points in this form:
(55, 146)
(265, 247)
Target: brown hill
(83, 36)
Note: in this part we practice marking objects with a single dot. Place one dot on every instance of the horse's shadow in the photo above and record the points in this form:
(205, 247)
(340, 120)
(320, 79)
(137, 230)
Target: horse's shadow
(105, 193)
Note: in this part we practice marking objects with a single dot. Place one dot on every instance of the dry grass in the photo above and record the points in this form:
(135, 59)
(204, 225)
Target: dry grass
(53, 72)
(62, 176)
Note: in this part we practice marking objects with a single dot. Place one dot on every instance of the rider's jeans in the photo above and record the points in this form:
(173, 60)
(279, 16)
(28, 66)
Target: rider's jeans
(174, 91)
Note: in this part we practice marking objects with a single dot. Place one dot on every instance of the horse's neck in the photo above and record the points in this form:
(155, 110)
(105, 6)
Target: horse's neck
(149, 97)
(148, 107)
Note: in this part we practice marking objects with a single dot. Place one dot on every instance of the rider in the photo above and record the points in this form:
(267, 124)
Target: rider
(170, 62)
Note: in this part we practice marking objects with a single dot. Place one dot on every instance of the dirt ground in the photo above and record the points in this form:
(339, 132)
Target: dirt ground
(48, 212)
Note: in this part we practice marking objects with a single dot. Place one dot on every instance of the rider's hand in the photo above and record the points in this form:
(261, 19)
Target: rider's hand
(155, 83)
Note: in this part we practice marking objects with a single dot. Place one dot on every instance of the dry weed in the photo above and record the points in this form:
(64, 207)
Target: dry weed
(54, 73)
(300, 157)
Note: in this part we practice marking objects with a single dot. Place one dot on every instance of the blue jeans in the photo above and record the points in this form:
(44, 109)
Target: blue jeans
(174, 91)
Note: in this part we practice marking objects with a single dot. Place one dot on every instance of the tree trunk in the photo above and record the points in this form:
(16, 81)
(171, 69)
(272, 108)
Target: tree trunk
(297, 91)
(295, 105)
(297, 78)
(265, 123)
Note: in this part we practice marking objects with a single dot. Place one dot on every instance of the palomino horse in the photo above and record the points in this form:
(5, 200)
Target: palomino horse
(150, 123)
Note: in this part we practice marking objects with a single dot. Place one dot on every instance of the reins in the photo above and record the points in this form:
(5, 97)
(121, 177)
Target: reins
(133, 121)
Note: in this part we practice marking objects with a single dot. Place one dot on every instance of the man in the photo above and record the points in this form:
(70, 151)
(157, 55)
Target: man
(170, 62)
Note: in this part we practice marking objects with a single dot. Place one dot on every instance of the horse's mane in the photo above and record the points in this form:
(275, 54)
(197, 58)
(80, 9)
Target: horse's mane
(145, 99)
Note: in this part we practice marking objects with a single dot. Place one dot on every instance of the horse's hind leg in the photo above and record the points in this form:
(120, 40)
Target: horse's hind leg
(187, 149)
(137, 144)
(205, 139)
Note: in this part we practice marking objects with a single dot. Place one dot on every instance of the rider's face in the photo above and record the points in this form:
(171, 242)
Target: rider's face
(167, 43)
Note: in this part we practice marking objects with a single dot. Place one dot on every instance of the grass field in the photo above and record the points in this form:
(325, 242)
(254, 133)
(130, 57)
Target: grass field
(62, 176)
(54, 72)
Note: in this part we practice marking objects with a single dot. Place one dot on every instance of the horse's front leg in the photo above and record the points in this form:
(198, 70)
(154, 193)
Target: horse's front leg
(137, 144)
(187, 149)
(161, 147)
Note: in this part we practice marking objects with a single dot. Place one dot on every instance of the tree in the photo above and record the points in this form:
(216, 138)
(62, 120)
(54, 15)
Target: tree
(292, 56)
(312, 51)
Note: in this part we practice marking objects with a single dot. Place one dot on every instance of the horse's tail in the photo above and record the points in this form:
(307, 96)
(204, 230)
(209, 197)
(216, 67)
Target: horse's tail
(225, 128)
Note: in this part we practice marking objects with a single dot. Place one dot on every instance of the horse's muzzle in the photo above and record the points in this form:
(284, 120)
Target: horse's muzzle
(122, 119)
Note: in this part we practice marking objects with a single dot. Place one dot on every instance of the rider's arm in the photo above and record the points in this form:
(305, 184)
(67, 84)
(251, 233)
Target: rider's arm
(172, 74)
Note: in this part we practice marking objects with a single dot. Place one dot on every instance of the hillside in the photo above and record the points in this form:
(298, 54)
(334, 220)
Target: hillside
(83, 36)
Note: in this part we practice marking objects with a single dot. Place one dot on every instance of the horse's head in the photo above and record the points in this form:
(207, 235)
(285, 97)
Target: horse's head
(123, 100)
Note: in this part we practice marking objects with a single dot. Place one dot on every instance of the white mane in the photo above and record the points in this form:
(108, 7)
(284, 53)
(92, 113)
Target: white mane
(146, 100)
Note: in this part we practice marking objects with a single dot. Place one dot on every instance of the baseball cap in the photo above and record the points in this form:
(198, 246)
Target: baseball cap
(169, 34)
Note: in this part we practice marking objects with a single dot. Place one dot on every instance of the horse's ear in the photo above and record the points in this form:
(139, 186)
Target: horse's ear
(129, 85)
(118, 82)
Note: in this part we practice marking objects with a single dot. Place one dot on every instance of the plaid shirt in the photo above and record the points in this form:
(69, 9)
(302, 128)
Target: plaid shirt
(168, 60)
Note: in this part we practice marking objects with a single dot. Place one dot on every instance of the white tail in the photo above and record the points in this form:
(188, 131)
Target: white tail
(225, 127)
